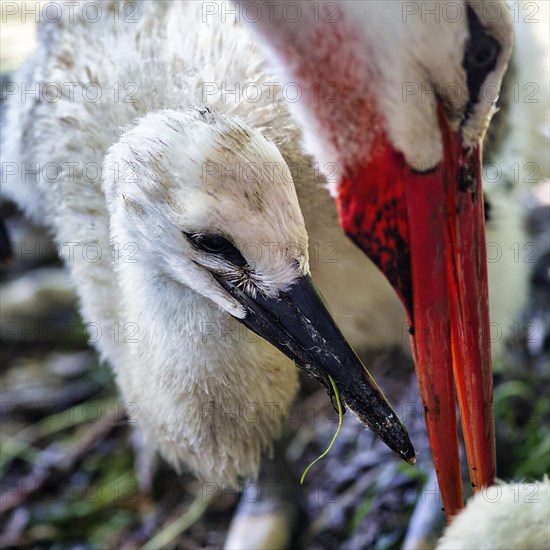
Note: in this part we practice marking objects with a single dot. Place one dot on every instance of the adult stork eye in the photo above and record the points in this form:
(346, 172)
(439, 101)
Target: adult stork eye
(480, 58)
(482, 54)
(216, 245)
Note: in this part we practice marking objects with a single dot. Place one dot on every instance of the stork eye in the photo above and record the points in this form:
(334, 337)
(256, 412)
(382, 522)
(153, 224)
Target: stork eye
(482, 54)
(480, 58)
(218, 245)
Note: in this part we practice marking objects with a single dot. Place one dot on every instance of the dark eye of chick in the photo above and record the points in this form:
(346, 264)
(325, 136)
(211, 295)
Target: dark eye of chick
(216, 245)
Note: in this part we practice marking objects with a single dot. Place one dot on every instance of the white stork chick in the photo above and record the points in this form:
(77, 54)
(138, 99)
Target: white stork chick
(511, 516)
(202, 215)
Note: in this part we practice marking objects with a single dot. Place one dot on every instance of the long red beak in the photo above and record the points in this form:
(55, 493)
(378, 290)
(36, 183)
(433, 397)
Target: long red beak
(425, 231)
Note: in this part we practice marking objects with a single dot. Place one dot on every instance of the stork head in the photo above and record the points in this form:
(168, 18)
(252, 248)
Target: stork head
(212, 207)
(396, 99)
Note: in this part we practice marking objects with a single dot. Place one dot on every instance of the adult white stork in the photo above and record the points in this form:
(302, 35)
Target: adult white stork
(399, 95)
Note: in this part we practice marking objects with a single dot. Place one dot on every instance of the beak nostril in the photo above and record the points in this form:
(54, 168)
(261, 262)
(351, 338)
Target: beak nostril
(466, 179)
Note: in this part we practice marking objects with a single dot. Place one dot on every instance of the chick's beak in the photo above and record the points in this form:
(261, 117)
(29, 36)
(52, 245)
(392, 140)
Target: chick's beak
(425, 231)
(297, 322)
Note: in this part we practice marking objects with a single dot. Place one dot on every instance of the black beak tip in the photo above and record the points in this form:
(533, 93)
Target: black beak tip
(399, 442)
(408, 454)
(402, 446)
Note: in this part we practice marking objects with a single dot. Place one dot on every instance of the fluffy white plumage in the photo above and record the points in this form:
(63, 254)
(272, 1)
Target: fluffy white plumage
(511, 516)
